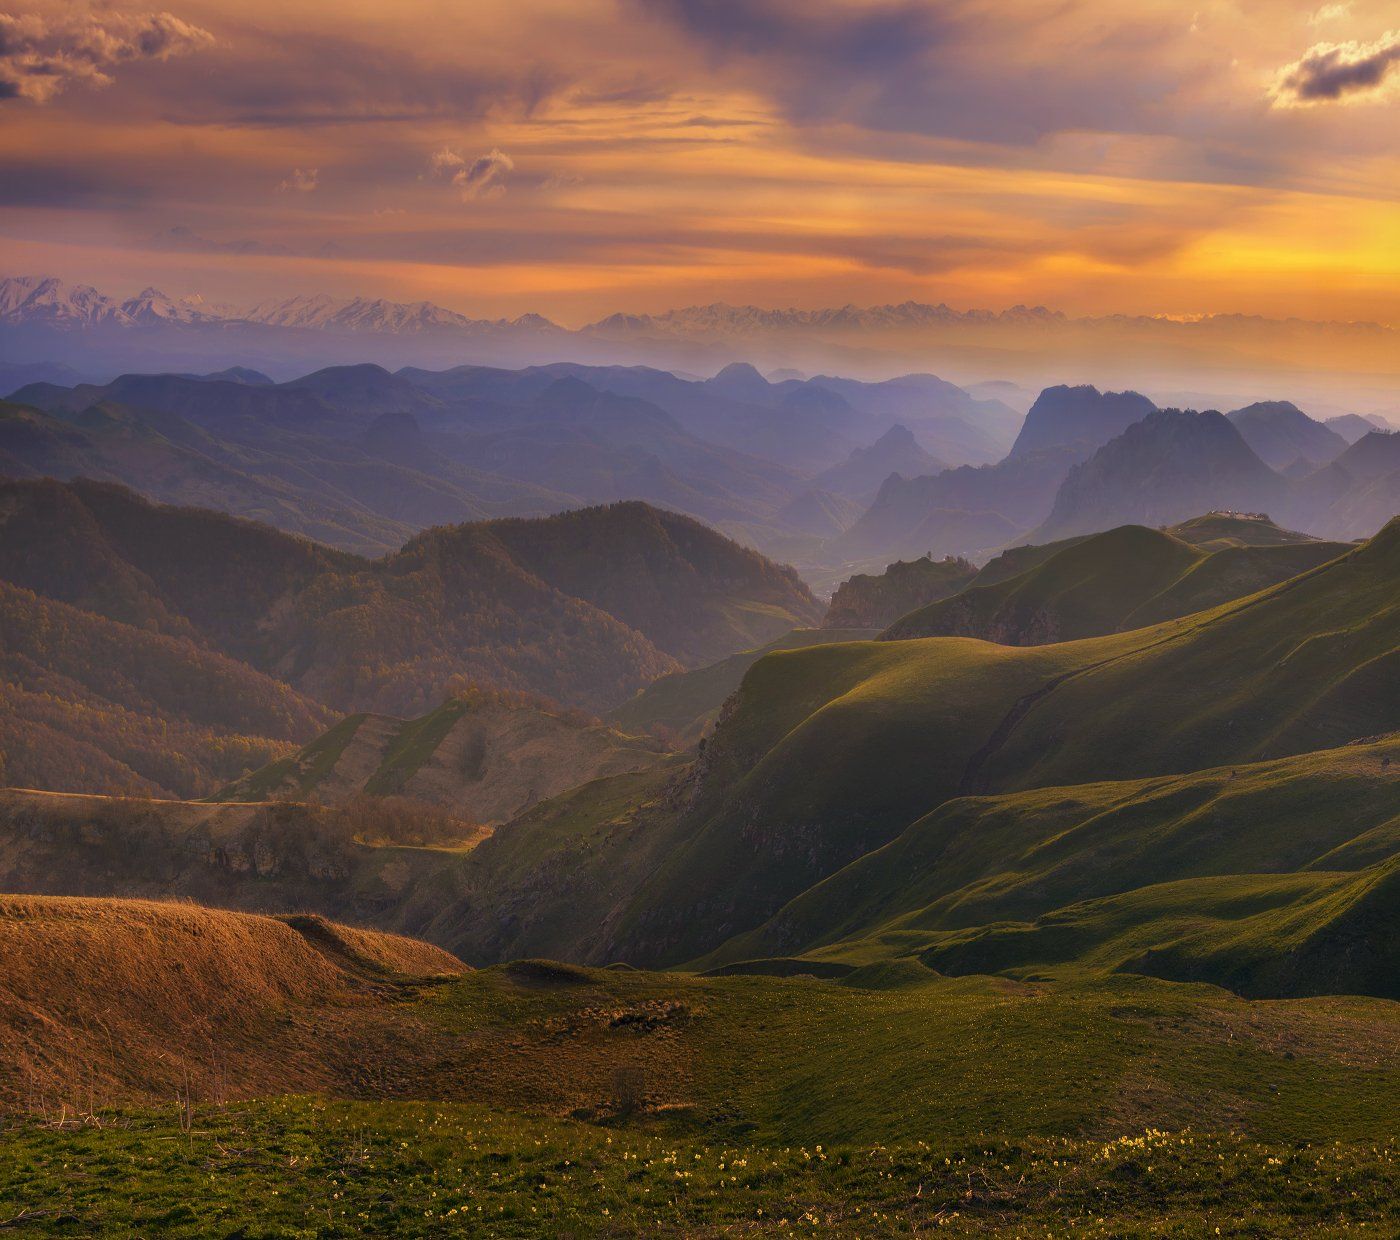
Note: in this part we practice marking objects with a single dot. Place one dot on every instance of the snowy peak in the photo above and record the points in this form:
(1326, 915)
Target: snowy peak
(49, 301)
(152, 306)
(360, 314)
(722, 318)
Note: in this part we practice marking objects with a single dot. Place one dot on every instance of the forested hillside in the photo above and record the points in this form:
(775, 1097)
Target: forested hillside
(272, 618)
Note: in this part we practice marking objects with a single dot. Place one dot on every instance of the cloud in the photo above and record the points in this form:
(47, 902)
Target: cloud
(1329, 13)
(969, 70)
(482, 177)
(1339, 73)
(39, 58)
(301, 181)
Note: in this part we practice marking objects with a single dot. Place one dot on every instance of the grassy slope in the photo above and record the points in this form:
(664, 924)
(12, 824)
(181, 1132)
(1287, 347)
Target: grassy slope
(480, 756)
(686, 703)
(1251, 877)
(976, 1102)
(771, 812)
(123, 999)
(565, 865)
(1307, 665)
(1125, 578)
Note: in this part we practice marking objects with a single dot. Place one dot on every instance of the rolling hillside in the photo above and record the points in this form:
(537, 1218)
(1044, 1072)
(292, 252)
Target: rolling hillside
(484, 756)
(133, 1000)
(575, 1101)
(1126, 578)
(1305, 665)
(1253, 877)
(684, 704)
(89, 703)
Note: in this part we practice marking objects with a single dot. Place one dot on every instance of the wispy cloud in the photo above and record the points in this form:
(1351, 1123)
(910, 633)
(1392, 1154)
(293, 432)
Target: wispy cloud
(482, 177)
(1340, 73)
(1329, 13)
(301, 181)
(40, 57)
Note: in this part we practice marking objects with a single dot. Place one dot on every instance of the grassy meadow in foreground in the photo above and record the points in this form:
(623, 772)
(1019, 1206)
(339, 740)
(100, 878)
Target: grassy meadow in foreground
(301, 1167)
(619, 1102)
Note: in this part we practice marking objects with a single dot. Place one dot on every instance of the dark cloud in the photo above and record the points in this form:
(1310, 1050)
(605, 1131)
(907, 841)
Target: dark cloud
(40, 57)
(1329, 72)
(948, 68)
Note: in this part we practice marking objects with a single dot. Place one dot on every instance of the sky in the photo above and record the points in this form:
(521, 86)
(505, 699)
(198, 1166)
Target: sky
(579, 157)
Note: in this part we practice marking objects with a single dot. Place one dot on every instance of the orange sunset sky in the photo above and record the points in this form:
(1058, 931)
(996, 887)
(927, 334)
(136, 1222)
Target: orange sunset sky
(576, 157)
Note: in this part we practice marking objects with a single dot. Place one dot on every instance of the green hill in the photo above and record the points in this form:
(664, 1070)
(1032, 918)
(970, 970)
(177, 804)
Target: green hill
(684, 704)
(1252, 877)
(1122, 579)
(536, 1098)
(827, 753)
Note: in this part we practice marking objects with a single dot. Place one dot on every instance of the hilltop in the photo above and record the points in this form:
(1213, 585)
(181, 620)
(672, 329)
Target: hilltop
(1126, 578)
(959, 511)
(1081, 418)
(1283, 436)
(867, 601)
(132, 1000)
(1166, 468)
(860, 475)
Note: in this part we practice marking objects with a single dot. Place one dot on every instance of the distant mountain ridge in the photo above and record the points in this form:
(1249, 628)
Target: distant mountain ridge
(76, 323)
(1068, 416)
(1283, 435)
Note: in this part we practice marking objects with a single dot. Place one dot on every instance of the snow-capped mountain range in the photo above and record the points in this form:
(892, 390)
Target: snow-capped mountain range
(77, 326)
(48, 301)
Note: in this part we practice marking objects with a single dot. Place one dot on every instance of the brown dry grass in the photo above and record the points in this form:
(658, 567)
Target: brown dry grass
(105, 1001)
